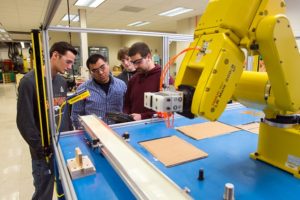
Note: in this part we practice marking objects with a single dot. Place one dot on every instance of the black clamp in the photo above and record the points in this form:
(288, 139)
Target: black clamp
(125, 136)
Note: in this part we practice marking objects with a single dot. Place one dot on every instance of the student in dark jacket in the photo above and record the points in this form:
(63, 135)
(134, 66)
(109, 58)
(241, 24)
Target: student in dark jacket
(128, 69)
(146, 79)
(62, 56)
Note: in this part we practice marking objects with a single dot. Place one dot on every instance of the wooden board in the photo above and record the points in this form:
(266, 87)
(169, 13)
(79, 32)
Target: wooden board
(254, 130)
(206, 130)
(173, 151)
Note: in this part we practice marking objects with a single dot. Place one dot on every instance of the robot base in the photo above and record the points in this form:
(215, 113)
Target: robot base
(279, 147)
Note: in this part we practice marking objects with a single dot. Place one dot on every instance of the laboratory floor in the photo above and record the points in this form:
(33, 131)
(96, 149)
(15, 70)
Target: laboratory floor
(15, 164)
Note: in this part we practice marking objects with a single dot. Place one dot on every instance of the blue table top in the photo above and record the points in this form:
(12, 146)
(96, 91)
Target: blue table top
(228, 161)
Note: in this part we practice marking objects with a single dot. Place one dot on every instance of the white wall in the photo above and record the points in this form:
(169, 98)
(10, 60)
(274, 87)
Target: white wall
(185, 26)
(112, 42)
(292, 12)
(293, 7)
(152, 42)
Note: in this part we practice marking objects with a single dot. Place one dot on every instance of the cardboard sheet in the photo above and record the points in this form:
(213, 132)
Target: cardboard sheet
(173, 151)
(254, 130)
(251, 127)
(206, 130)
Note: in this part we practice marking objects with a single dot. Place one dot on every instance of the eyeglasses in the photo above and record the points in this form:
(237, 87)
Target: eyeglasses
(137, 61)
(99, 69)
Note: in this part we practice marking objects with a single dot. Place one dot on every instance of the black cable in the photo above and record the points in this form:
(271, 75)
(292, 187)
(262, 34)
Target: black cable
(69, 21)
(10, 50)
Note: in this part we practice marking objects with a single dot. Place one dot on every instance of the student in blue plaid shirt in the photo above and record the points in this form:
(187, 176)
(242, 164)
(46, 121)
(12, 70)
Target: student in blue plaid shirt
(107, 92)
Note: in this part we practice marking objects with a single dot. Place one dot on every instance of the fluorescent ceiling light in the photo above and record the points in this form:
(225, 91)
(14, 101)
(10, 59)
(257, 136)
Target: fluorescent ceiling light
(73, 18)
(142, 24)
(89, 3)
(138, 23)
(175, 11)
(134, 23)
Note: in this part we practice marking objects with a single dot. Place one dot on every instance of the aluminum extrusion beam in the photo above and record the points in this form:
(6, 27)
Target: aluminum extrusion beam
(51, 9)
(166, 56)
(180, 37)
(143, 178)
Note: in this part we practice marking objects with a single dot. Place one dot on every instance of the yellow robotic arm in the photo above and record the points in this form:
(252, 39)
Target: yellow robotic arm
(209, 78)
(225, 28)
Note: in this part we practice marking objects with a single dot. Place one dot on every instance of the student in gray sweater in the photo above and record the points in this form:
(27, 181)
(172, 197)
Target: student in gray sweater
(62, 56)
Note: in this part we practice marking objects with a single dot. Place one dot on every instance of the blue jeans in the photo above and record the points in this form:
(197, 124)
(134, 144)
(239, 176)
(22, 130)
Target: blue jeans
(43, 179)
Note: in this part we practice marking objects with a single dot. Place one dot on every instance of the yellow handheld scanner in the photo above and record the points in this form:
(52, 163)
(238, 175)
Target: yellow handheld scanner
(80, 95)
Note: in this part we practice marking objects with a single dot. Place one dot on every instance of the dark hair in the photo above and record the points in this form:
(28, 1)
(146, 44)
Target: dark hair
(62, 48)
(94, 58)
(122, 53)
(139, 47)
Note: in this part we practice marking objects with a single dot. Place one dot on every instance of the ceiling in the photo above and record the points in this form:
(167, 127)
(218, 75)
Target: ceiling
(18, 17)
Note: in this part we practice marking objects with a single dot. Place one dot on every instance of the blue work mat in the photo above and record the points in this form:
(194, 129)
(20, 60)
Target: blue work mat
(228, 162)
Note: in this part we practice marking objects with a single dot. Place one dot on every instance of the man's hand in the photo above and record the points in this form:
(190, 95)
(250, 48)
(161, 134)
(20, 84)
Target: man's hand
(136, 116)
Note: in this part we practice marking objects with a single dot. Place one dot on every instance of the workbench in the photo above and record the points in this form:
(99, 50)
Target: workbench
(228, 162)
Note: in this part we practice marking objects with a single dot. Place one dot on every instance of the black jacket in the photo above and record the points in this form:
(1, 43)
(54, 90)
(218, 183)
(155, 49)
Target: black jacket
(125, 76)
